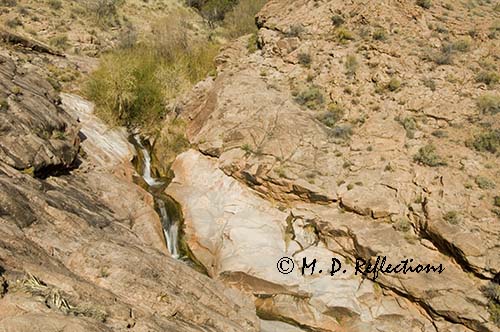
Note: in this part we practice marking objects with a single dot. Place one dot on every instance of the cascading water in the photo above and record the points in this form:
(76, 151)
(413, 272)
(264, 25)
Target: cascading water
(170, 227)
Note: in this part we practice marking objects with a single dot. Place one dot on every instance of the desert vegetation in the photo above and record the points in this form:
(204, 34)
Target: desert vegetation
(137, 83)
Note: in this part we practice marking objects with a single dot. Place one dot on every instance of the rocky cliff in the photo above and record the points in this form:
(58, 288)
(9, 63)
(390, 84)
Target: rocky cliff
(357, 129)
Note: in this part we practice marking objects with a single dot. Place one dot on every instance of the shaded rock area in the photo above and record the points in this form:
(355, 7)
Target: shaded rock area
(82, 249)
(347, 135)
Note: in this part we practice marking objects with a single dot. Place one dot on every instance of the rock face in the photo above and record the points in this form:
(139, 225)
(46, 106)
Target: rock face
(81, 247)
(348, 135)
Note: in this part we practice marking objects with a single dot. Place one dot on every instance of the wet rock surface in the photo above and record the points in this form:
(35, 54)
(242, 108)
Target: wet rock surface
(84, 250)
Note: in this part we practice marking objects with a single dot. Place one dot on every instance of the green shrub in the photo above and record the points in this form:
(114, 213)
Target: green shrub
(452, 217)
(394, 84)
(105, 11)
(403, 225)
(427, 156)
(240, 20)
(351, 65)
(295, 31)
(341, 132)
(488, 141)
(252, 44)
(13, 22)
(8, 3)
(337, 20)
(430, 83)
(489, 78)
(213, 10)
(489, 104)
(311, 98)
(343, 35)
(424, 3)
(305, 59)
(409, 124)
(380, 34)
(132, 86)
(485, 183)
(55, 4)
(4, 104)
(60, 41)
(334, 114)
(496, 201)
(492, 292)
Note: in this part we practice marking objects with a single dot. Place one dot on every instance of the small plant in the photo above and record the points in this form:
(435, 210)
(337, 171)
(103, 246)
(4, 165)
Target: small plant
(496, 201)
(452, 217)
(4, 104)
(439, 133)
(312, 98)
(489, 104)
(337, 20)
(427, 156)
(430, 83)
(424, 3)
(332, 116)
(488, 141)
(351, 65)
(410, 125)
(343, 35)
(247, 148)
(252, 44)
(485, 183)
(341, 132)
(60, 41)
(8, 3)
(14, 23)
(492, 293)
(380, 34)
(489, 78)
(55, 4)
(403, 225)
(394, 84)
(295, 31)
(305, 59)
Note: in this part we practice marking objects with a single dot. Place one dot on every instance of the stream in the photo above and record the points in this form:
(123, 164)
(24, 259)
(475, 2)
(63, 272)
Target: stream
(163, 204)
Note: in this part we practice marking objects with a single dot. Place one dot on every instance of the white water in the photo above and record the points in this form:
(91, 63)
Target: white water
(146, 170)
(170, 229)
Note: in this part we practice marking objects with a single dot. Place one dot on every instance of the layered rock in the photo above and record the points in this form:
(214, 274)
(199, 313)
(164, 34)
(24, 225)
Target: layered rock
(81, 247)
(321, 139)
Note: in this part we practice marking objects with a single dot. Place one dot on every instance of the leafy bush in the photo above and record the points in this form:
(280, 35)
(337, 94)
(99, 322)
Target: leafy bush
(212, 10)
(452, 217)
(409, 124)
(394, 84)
(8, 3)
(305, 59)
(485, 183)
(351, 65)
(241, 19)
(488, 141)
(332, 116)
(55, 4)
(105, 11)
(489, 104)
(132, 86)
(311, 98)
(380, 34)
(337, 20)
(492, 293)
(60, 41)
(13, 22)
(489, 78)
(424, 3)
(427, 156)
(341, 132)
(295, 31)
(343, 35)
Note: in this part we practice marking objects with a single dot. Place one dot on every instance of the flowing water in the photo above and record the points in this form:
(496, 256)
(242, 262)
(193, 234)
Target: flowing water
(155, 187)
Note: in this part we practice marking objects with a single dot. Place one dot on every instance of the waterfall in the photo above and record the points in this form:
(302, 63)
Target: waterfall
(170, 228)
